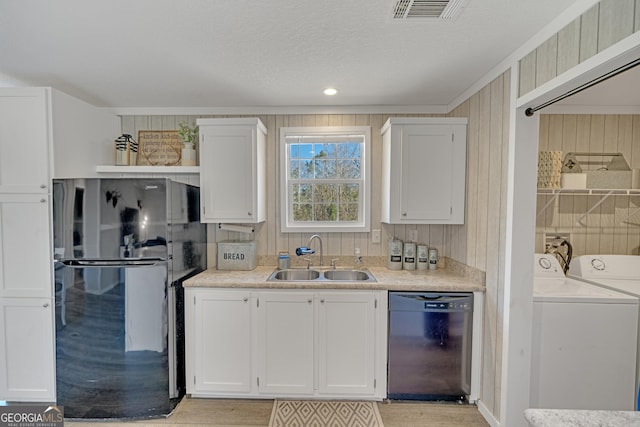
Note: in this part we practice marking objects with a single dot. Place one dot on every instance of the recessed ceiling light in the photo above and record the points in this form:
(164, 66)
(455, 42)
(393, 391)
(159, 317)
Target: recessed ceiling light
(330, 91)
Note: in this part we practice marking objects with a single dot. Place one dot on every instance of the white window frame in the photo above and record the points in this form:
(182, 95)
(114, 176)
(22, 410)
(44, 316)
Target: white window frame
(286, 207)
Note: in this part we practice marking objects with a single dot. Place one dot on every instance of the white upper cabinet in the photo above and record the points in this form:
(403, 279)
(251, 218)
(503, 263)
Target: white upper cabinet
(24, 140)
(233, 170)
(423, 170)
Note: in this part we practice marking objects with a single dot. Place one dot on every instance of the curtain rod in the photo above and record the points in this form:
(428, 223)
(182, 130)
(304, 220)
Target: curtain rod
(531, 110)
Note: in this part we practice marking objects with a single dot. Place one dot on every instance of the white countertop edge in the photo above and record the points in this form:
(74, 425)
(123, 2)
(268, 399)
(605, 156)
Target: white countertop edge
(426, 280)
(581, 418)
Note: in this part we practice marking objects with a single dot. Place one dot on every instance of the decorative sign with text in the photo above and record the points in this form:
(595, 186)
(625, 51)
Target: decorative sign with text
(159, 148)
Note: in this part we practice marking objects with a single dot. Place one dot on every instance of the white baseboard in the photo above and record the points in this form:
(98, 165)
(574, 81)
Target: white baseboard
(486, 413)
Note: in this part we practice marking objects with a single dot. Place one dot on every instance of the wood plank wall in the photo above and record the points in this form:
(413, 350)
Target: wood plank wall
(614, 226)
(600, 27)
(480, 241)
(336, 245)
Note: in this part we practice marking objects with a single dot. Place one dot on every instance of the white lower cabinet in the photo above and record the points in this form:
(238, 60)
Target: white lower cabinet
(323, 343)
(219, 341)
(27, 356)
(346, 336)
(285, 343)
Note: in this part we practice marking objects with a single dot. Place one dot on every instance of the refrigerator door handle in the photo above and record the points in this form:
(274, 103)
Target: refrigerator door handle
(84, 263)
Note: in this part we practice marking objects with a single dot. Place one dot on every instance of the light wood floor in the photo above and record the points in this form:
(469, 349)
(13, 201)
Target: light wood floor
(251, 413)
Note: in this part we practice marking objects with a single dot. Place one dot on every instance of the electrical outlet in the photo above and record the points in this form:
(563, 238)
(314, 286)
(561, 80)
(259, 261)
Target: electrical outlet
(552, 239)
(412, 235)
(375, 236)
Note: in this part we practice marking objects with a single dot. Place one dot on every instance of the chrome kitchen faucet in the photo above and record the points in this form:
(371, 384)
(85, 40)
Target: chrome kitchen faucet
(308, 251)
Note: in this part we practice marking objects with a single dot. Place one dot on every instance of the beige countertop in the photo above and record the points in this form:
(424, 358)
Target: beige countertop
(392, 280)
(581, 418)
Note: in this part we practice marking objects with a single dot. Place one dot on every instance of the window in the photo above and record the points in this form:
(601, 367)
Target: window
(324, 174)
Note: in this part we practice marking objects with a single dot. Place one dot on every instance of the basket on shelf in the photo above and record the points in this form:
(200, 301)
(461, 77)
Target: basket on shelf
(549, 169)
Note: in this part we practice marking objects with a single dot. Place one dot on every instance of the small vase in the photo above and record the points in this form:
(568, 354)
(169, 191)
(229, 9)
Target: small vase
(189, 154)
(133, 151)
(122, 151)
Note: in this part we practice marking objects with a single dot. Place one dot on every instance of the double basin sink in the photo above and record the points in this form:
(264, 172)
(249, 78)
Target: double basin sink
(312, 275)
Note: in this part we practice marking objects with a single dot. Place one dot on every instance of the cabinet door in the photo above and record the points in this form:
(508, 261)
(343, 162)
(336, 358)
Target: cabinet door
(218, 341)
(24, 132)
(285, 343)
(431, 171)
(27, 352)
(25, 246)
(227, 170)
(346, 343)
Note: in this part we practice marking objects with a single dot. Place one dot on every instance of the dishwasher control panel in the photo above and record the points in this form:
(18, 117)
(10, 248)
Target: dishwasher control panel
(448, 305)
(426, 301)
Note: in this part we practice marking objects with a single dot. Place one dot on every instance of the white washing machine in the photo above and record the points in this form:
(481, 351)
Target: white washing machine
(584, 342)
(617, 272)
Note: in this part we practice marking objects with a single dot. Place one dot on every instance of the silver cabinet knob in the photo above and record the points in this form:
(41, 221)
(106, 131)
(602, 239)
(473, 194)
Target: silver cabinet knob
(321, 301)
(404, 214)
(43, 200)
(245, 299)
(43, 186)
(45, 305)
(249, 213)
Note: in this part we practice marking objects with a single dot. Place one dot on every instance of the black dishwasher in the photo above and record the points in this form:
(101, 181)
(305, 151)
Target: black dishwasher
(429, 346)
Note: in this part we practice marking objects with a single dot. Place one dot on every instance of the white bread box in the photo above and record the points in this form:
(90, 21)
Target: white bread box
(237, 255)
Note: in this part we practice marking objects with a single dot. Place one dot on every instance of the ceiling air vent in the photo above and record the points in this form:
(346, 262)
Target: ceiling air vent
(434, 9)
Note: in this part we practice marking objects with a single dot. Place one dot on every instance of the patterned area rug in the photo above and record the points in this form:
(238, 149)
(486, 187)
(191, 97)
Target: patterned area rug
(321, 413)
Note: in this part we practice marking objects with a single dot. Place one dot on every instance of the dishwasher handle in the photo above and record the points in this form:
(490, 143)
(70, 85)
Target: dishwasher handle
(439, 298)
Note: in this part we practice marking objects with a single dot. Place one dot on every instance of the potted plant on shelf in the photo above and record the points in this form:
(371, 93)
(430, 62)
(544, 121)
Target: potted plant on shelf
(188, 135)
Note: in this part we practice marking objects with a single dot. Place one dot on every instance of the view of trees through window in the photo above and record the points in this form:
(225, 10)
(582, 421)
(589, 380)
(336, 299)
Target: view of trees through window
(325, 178)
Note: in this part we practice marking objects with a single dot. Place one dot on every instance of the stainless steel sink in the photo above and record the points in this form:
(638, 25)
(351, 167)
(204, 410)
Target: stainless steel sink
(294, 275)
(311, 275)
(347, 275)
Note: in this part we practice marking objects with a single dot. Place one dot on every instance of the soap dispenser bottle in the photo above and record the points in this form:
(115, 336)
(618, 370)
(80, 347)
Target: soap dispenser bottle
(357, 258)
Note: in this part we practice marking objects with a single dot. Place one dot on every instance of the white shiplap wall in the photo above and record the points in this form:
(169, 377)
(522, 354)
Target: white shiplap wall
(270, 239)
(600, 27)
(480, 241)
(614, 226)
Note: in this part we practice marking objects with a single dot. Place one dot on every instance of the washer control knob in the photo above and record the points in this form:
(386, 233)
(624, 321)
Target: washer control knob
(544, 263)
(598, 264)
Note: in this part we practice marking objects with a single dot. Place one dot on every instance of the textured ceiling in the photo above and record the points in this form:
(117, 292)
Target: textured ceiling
(276, 53)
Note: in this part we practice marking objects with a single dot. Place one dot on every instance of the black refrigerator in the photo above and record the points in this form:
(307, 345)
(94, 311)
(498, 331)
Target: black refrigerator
(122, 248)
